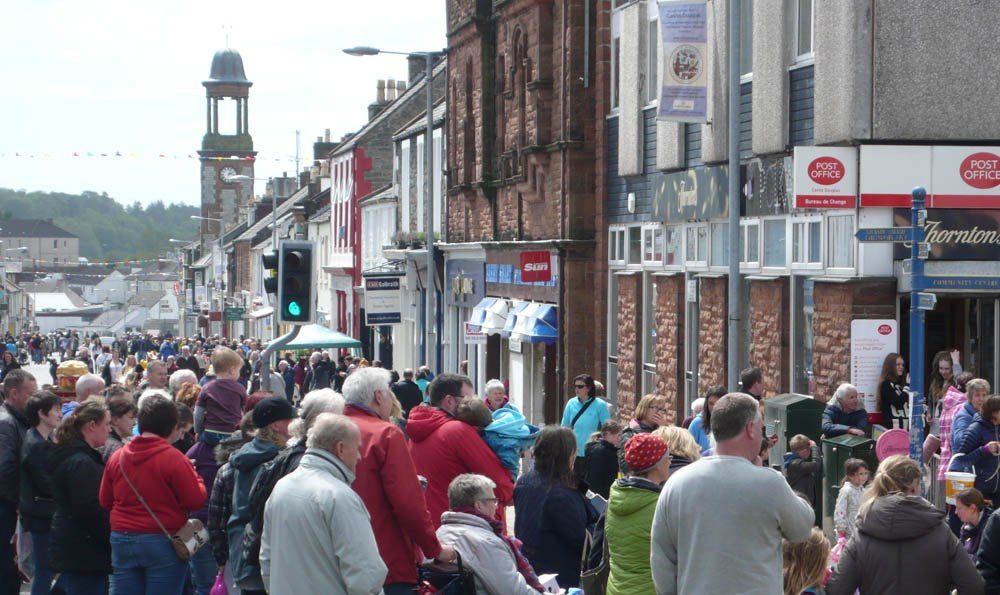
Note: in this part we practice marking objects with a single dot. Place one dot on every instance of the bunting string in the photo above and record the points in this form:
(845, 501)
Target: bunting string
(139, 155)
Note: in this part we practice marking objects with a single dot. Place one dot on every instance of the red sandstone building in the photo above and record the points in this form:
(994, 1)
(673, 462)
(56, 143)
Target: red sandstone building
(526, 93)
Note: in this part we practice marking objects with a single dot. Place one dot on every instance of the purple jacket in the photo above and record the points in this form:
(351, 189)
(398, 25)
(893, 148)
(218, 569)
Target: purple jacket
(203, 455)
(223, 400)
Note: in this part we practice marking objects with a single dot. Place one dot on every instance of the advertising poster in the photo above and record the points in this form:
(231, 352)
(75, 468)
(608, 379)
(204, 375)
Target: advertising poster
(871, 342)
(684, 33)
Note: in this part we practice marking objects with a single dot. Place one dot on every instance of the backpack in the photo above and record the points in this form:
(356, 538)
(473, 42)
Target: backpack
(263, 485)
(594, 563)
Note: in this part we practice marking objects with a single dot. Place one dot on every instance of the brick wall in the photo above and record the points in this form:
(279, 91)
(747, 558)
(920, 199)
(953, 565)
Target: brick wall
(629, 344)
(670, 343)
(713, 316)
(837, 304)
(769, 328)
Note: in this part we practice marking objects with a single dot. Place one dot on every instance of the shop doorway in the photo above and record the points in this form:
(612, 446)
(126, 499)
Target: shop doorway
(968, 324)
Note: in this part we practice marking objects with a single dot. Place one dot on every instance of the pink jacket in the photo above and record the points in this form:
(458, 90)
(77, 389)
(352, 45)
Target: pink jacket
(950, 405)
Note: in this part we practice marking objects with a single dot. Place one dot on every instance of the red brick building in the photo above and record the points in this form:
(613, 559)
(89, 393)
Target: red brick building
(527, 84)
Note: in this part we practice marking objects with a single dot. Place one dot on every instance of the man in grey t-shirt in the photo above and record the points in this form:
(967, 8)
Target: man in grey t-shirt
(719, 522)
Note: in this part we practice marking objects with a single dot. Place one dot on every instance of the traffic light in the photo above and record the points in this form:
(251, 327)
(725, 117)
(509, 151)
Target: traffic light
(270, 272)
(296, 290)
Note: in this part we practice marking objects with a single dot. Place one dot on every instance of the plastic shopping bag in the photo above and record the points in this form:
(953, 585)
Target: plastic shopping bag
(219, 588)
(838, 549)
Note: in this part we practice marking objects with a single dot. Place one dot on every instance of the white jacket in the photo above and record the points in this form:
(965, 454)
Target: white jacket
(317, 533)
(485, 553)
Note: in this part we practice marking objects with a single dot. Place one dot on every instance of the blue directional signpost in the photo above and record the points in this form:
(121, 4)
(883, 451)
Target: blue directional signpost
(920, 303)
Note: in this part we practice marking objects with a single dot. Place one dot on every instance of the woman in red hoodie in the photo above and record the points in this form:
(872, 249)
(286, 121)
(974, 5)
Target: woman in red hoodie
(143, 558)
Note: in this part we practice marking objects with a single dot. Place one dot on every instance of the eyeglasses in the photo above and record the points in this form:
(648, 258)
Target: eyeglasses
(489, 500)
(580, 385)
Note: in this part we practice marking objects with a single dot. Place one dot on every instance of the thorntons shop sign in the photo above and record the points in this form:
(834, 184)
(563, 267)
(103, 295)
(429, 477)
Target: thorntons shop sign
(955, 234)
(954, 177)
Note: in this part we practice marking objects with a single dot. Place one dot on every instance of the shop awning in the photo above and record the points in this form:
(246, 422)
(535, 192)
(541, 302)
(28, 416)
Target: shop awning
(537, 323)
(490, 315)
(512, 314)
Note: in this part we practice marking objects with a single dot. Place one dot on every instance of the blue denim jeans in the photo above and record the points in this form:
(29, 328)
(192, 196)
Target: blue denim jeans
(42, 581)
(85, 584)
(203, 570)
(146, 564)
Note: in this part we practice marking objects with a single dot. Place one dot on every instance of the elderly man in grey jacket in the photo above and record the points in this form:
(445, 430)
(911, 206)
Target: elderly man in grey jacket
(317, 533)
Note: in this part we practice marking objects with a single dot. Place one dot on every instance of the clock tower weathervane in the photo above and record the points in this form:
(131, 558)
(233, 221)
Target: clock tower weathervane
(227, 147)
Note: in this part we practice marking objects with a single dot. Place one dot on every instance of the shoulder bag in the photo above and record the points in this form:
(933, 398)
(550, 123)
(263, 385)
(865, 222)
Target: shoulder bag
(188, 539)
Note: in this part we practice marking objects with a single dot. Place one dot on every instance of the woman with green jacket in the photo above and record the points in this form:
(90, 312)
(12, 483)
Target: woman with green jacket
(629, 518)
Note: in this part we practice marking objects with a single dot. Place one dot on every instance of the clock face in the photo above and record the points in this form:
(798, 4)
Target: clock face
(226, 173)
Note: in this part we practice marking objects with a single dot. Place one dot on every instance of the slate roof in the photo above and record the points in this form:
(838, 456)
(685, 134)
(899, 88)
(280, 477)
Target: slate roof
(32, 228)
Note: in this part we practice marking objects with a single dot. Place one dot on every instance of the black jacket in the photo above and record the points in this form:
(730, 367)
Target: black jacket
(13, 427)
(802, 473)
(80, 539)
(552, 520)
(600, 467)
(322, 375)
(37, 505)
(988, 562)
(409, 395)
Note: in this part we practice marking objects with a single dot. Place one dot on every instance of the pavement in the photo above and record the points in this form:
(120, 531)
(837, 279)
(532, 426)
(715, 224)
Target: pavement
(40, 372)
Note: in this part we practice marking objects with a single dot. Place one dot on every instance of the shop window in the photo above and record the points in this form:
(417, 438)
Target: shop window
(840, 242)
(750, 244)
(807, 242)
(720, 244)
(652, 245)
(672, 245)
(774, 243)
(696, 244)
(635, 245)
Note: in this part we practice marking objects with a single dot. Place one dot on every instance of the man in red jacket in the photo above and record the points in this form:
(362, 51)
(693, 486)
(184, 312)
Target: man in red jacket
(387, 483)
(444, 447)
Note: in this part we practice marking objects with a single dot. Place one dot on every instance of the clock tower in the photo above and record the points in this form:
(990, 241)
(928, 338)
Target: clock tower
(226, 148)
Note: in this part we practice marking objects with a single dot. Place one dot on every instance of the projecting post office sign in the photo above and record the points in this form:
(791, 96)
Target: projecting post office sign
(955, 234)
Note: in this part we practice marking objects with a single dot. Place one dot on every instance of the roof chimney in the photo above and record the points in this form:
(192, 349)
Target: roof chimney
(380, 92)
(390, 90)
(400, 88)
(416, 64)
(326, 136)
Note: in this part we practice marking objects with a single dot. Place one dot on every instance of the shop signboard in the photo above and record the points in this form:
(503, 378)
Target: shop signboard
(954, 177)
(233, 313)
(684, 36)
(955, 234)
(695, 193)
(383, 300)
(465, 282)
(474, 334)
(767, 186)
(826, 177)
(871, 342)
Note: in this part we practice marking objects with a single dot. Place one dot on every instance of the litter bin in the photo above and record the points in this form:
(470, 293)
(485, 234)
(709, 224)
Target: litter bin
(836, 451)
(788, 415)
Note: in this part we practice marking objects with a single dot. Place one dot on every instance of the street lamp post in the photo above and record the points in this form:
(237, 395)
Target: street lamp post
(430, 343)
(222, 270)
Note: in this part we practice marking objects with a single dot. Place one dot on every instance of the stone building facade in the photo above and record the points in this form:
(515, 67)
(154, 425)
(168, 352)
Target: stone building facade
(816, 78)
(524, 128)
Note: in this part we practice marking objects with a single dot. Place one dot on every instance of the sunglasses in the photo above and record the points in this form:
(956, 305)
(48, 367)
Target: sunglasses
(580, 386)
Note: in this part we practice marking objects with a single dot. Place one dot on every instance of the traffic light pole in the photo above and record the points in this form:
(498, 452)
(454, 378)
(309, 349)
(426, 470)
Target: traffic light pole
(273, 347)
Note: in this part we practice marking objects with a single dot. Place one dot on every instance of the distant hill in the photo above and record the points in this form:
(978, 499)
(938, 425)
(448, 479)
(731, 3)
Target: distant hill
(107, 229)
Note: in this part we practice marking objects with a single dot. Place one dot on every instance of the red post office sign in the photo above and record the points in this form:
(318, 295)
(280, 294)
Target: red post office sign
(826, 177)
(536, 266)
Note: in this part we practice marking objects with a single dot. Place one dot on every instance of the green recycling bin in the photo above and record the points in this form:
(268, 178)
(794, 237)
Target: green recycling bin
(836, 451)
(788, 415)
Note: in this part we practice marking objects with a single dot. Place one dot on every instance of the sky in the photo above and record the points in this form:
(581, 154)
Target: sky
(124, 76)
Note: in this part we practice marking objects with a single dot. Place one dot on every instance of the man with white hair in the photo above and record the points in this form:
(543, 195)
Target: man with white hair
(317, 534)
(387, 481)
(180, 378)
(88, 385)
(845, 414)
(696, 513)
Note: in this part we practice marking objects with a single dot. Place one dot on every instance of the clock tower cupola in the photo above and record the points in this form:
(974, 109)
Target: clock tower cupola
(227, 147)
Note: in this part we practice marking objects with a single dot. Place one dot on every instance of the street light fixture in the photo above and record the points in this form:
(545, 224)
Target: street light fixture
(430, 351)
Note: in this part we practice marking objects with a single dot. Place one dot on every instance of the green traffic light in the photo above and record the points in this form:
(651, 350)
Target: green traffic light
(294, 309)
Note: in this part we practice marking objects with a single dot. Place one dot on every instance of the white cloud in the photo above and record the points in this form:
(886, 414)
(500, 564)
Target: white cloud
(125, 75)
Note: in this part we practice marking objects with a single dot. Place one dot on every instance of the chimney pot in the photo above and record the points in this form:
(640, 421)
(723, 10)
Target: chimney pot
(400, 88)
(390, 90)
(380, 92)
(326, 136)
(415, 66)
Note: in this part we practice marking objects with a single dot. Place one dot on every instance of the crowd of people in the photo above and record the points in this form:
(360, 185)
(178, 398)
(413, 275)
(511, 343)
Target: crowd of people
(177, 474)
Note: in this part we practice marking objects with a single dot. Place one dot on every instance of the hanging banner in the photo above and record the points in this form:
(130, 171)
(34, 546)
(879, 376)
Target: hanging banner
(383, 300)
(871, 342)
(684, 34)
(826, 177)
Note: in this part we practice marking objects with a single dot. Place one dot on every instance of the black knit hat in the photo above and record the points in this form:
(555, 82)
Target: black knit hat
(272, 409)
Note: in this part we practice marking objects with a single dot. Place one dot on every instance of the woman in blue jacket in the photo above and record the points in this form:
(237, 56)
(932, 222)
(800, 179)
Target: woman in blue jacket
(981, 447)
(552, 512)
